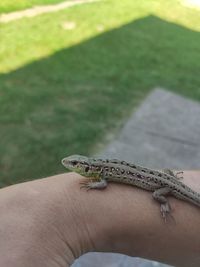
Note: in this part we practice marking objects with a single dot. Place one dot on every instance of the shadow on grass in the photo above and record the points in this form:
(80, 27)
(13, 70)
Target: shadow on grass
(66, 103)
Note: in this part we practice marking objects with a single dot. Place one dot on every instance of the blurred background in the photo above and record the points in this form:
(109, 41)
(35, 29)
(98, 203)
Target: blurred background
(69, 79)
(72, 73)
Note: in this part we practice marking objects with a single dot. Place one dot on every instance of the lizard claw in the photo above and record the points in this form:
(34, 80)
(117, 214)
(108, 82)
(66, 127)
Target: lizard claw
(165, 210)
(86, 184)
(177, 175)
(93, 184)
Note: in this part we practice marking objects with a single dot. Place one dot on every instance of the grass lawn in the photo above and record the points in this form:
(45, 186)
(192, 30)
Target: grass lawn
(64, 92)
(10, 5)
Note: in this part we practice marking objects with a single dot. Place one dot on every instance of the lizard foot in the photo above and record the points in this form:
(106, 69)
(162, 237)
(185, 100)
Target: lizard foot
(165, 210)
(179, 177)
(93, 184)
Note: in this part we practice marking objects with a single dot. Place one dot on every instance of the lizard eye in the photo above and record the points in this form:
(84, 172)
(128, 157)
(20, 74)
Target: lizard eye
(87, 169)
(74, 162)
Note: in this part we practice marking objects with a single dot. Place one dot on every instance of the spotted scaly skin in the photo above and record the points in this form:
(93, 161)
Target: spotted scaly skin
(102, 171)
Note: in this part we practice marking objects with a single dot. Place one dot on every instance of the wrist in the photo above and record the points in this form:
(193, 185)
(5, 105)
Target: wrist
(127, 220)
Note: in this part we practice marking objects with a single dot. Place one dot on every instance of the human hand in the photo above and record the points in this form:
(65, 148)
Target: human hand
(51, 222)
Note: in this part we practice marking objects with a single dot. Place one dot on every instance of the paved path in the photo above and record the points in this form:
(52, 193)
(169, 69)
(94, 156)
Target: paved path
(38, 10)
(163, 132)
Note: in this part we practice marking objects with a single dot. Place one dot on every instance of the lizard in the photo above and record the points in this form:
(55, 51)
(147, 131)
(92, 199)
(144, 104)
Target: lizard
(161, 183)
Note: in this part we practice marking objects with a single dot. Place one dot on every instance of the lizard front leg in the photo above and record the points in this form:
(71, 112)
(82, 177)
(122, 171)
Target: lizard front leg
(94, 184)
(159, 195)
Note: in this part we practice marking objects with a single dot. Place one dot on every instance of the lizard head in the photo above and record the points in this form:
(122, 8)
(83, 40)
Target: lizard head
(78, 163)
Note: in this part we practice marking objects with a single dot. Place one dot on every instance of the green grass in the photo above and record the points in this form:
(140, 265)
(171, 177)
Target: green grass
(10, 5)
(65, 92)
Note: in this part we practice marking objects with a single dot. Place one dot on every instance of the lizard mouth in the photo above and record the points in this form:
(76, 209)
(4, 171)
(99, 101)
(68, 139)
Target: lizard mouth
(67, 163)
(64, 162)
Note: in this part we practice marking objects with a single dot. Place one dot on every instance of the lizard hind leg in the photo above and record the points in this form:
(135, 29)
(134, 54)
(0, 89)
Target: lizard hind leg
(177, 173)
(159, 195)
(170, 172)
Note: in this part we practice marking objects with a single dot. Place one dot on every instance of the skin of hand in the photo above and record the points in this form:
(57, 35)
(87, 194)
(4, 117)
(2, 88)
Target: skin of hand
(51, 222)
